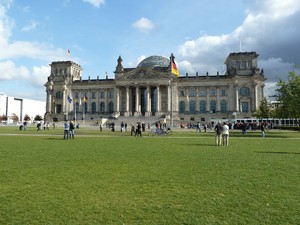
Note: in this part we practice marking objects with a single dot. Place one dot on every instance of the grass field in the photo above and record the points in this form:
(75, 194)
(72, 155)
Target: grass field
(113, 178)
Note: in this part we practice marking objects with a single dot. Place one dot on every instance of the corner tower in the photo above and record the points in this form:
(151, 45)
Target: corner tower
(58, 87)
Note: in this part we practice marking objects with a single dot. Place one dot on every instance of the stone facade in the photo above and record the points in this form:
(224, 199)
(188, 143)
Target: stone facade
(151, 91)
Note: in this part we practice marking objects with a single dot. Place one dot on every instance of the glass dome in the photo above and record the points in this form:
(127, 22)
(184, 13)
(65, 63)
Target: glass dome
(154, 61)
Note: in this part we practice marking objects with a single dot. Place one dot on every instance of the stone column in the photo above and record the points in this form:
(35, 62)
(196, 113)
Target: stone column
(148, 110)
(187, 100)
(127, 102)
(237, 107)
(218, 108)
(49, 101)
(117, 107)
(97, 102)
(255, 98)
(64, 100)
(207, 100)
(137, 101)
(169, 98)
(106, 100)
(158, 101)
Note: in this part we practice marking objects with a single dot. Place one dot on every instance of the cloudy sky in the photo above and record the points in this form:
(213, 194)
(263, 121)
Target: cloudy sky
(200, 33)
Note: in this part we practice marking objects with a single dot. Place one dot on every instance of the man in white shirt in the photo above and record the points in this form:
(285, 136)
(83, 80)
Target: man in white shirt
(225, 134)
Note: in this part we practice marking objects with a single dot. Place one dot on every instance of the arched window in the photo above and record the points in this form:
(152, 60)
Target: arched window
(110, 107)
(102, 107)
(181, 107)
(223, 106)
(213, 106)
(244, 91)
(202, 107)
(93, 107)
(192, 107)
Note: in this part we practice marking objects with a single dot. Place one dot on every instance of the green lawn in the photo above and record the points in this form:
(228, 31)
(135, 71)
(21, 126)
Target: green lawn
(113, 178)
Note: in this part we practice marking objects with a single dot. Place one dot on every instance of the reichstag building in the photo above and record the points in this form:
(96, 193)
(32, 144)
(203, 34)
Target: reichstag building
(150, 92)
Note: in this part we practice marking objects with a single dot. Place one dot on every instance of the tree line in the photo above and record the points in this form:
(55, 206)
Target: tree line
(287, 104)
(15, 118)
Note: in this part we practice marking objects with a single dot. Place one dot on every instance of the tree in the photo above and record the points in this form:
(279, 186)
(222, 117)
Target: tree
(14, 117)
(264, 110)
(3, 118)
(26, 117)
(38, 118)
(289, 96)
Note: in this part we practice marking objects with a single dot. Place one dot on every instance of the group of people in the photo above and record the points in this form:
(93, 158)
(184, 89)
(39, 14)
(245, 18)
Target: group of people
(136, 131)
(69, 128)
(222, 133)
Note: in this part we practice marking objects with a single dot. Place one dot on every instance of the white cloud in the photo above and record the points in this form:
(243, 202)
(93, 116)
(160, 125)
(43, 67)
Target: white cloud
(270, 29)
(39, 75)
(30, 26)
(9, 71)
(95, 3)
(5, 25)
(144, 25)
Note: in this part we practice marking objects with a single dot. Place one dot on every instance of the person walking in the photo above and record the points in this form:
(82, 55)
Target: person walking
(132, 132)
(225, 134)
(218, 131)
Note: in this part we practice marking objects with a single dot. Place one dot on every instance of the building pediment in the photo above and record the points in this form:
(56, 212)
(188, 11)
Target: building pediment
(144, 73)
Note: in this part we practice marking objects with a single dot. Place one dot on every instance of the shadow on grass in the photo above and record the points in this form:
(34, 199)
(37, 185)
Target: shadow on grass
(202, 144)
(283, 153)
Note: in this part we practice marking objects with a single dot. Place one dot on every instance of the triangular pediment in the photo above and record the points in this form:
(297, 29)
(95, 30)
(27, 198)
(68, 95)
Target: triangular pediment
(144, 73)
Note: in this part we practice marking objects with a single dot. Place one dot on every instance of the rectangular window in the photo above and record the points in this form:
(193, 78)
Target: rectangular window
(102, 94)
(192, 92)
(212, 92)
(223, 92)
(202, 92)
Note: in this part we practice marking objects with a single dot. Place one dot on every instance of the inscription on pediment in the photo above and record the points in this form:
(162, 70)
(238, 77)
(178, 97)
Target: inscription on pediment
(142, 74)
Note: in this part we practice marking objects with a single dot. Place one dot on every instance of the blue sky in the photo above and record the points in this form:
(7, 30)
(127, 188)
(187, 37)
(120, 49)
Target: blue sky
(200, 33)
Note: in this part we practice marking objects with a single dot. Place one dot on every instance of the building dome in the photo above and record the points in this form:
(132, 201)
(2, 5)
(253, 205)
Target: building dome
(154, 61)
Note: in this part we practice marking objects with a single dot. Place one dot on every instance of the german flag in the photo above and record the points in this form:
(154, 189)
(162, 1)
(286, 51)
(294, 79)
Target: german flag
(174, 69)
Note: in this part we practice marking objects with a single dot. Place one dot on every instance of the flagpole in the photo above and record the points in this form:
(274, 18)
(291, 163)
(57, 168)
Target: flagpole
(74, 105)
(67, 116)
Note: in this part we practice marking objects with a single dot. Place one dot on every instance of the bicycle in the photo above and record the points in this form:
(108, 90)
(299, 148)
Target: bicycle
(157, 131)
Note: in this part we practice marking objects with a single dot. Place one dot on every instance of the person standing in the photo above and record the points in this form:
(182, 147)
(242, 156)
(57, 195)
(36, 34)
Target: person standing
(198, 127)
(263, 130)
(218, 131)
(66, 130)
(72, 128)
(138, 131)
(225, 134)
